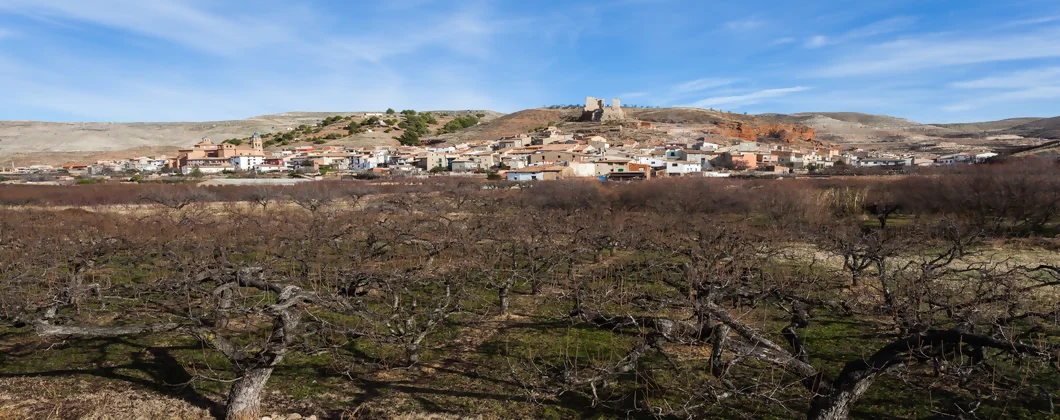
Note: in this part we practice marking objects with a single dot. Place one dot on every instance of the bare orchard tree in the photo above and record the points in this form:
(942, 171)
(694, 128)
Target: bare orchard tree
(197, 290)
(265, 195)
(951, 314)
(176, 197)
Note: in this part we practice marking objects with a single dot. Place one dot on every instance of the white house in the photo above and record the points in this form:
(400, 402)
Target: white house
(706, 146)
(246, 163)
(885, 162)
(651, 161)
(681, 168)
(982, 157)
(365, 161)
(538, 173)
(464, 165)
(582, 169)
(953, 159)
(263, 168)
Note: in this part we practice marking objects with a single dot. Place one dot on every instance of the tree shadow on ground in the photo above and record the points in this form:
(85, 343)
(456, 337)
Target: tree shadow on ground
(159, 371)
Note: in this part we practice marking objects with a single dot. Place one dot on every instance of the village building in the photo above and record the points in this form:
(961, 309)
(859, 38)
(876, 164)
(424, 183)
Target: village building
(682, 168)
(885, 162)
(606, 166)
(739, 161)
(464, 165)
(538, 173)
(215, 158)
(247, 162)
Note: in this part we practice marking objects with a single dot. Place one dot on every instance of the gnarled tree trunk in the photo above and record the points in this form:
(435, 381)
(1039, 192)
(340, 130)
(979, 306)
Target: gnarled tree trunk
(837, 404)
(244, 400)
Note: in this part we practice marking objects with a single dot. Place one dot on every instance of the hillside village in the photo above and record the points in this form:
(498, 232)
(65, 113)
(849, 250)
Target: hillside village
(604, 143)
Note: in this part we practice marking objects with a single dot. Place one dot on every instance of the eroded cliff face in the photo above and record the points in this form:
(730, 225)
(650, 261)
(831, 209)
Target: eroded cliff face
(789, 133)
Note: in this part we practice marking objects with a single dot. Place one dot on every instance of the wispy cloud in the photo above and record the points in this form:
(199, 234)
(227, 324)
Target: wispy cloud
(817, 41)
(1020, 79)
(6, 33)
(1024, 85)
(466, 32)
(747, 99)
(877, 28)
(701, 85)
(934, 52)
(1031, 21)
(745, 24)
(882, 27)
(282, 30)
(782, 41)
(178, 22)
(1043, 93)
(252, 68)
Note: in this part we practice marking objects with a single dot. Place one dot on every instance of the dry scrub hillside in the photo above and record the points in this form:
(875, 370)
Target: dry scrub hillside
(724, 125)
(989, 126)
(515, 123)
(30, 142)
(1048, 128)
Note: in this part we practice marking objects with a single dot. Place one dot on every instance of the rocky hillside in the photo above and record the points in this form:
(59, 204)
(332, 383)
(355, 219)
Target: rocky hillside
(848, 127)
(738, 126)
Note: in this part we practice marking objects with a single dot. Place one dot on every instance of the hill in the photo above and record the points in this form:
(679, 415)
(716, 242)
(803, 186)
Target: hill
(989, 126)
(512, 124)
(1046, 128)
(1047, 149)
(25, 142)
(29, 142)
(668, 124)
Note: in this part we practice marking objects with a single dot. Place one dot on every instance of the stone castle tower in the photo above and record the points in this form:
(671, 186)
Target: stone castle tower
(595, 110)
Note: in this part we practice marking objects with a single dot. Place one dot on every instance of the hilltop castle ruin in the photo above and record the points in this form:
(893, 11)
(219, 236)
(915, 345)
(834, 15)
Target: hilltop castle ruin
(595, 110)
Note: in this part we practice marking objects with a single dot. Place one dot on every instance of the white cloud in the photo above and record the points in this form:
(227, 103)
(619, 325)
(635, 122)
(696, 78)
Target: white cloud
(934, 52)
(701, 84)
(817, 41)
(747, 99)
(744, 24)
(782, 41)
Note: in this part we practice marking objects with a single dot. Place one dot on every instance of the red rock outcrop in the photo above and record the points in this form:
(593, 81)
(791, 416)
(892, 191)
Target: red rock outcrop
(790, 133)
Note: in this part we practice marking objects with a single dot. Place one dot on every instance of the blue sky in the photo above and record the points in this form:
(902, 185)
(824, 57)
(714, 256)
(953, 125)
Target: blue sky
(199, 60)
